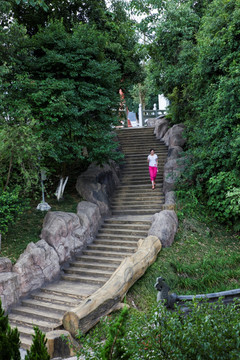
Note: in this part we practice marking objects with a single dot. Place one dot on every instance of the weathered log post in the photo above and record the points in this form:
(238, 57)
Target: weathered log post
(107, 298)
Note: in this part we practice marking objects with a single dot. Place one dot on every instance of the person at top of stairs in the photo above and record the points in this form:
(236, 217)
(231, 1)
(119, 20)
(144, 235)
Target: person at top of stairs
(153, 166)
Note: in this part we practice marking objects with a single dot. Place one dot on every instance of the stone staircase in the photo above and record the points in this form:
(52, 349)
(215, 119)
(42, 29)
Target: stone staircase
(132, 207)
(135, 196)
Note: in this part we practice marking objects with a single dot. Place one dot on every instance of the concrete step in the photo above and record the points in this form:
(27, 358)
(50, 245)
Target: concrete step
(45, 306)
(88, 272)
(141, 154)
(132, 193)
(92, 256)
(44, 325)
(85, 279)
(138, 188)
(108, 232)
(26, 336)
(142, 174)
(138, 172)
(125, 236)
(136, 212)
(140, 169)
(50, 316)
(136, 204)
(126, 221)
(70, 290)
(121, 242)
(106, 254)
(26, 341)
(147, 141)
(101, 247)
(56, 299)
(94, 265)
(140, 158)
(26, 331)
(137, 207)
(154, 196)
(137, 181)
(108, 225)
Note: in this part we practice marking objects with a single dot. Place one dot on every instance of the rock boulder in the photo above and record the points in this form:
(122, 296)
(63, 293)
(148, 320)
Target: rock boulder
(174, 136)
(5, 265)
(170, 201)
(36, 265)
(97, 185)
(174, 152)
(64, 233)
(89, 217)
(164, 226)
(161, 127)
(9, 289)
(172, 170)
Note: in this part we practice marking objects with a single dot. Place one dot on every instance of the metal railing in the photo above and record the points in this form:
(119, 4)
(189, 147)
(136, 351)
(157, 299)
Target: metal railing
(146, 114)
(153, 113)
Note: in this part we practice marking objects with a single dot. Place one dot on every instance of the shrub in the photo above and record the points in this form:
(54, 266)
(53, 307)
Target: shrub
(222, 197)
(208, 331)
(11, 206)
(105, 342)
(9, 339)
(38, 350)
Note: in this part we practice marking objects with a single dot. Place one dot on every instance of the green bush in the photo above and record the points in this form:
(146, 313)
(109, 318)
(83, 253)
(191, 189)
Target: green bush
(208, 331)
(105, 342)
(221, 196)
(9, 339)
(11, 206)
(38, 350)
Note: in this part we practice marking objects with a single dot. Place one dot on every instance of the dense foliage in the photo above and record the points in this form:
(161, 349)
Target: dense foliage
(11, 206)
(194, 50)
(62, 65)
(208, 331)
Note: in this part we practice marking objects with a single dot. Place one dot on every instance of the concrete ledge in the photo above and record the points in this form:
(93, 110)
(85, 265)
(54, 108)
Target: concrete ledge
(106, 299)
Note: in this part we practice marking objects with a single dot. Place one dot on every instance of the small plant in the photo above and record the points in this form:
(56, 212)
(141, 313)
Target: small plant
(105, 342)
(9, 339)
(38, 350)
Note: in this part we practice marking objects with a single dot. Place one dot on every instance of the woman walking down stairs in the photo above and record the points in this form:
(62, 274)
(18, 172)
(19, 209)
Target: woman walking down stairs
(132, 206)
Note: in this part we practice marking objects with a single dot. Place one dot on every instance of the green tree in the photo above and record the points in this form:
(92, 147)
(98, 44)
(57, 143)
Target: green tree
(194, 62)
(38, 349)
(9, 339)
(214, 133)
(33, 14)
(72, 92)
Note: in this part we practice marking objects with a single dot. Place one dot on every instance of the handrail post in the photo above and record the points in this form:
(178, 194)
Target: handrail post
(140, 115)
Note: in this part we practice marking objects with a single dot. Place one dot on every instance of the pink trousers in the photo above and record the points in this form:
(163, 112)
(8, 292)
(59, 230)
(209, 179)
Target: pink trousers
(153, 172)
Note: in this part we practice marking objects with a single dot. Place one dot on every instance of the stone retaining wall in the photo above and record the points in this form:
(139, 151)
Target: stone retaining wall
(63, 235)
(165, 223)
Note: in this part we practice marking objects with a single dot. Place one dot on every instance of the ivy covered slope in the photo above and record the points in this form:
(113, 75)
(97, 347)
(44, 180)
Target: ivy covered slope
(194, 49)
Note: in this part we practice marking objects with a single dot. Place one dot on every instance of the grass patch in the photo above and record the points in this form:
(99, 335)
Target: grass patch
(28, 227)
(204, 258)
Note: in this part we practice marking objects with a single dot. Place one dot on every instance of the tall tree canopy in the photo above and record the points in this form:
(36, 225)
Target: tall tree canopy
(62, 67)
(34, 15)
(194, 60)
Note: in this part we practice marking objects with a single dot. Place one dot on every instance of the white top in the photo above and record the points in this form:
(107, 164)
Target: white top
(152, 160)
